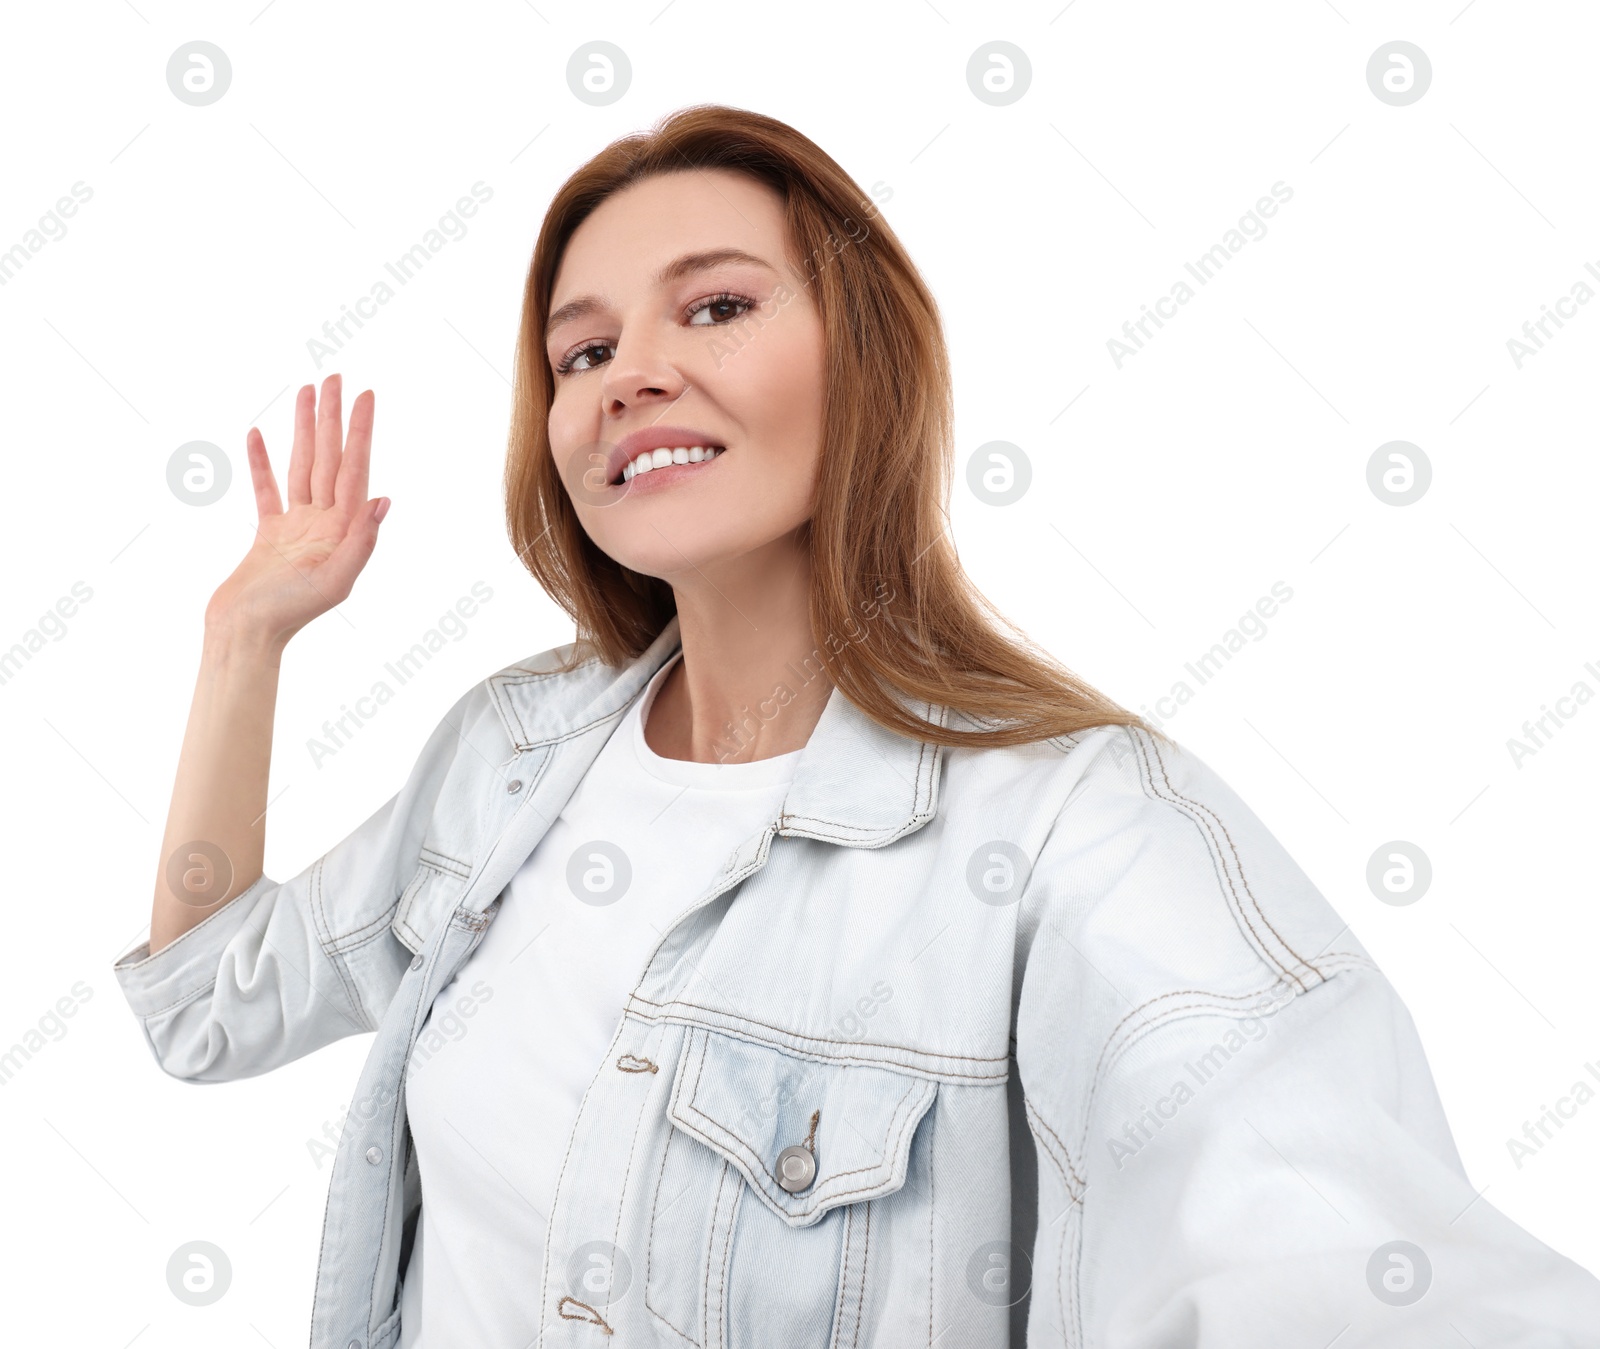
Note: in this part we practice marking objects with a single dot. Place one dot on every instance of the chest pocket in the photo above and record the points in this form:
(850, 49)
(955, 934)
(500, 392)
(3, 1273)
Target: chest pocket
(768, 1185)
(429, 897)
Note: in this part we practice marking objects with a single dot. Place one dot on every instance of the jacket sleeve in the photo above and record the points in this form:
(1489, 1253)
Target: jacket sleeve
(286, 967)
(1245, 1152)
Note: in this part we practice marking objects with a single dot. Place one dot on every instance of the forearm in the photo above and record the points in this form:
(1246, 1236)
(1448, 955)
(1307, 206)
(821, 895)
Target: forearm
(216, 824)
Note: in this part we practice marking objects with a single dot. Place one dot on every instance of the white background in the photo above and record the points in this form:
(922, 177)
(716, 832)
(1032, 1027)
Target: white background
(1167, 496)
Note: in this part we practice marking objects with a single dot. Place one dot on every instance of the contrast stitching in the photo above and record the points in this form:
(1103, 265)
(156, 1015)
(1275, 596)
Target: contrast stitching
(184, 1000)
(322, 1248)
(918, 806)
(317, 911)
(727, 1255)
(1071, 1171)
(1334, 962)
(406, 898)
(520, 740)
(388, 1204)
(367, 932)
(762, 1167)
(711, 1237)
(1163, 1019)
(1069, 1290)
(1042, 1144)
(593, 1318)
(840, 1310)
(627, 1171)
(1182, 1013)
(566, 1156)
(866, 1254)
(650, 1240)
(1238, 862)
(933, 1124)
(1148, 783)
(455, 865)
(376, 935)
(501, 684)
(714, 893)
(379, 922)
(821, 1193)
(1111, 1036)
(346, 979)
(811, 1055)
(1075, 1290)
(1234, 848)
(823, 1040)
(860, 830)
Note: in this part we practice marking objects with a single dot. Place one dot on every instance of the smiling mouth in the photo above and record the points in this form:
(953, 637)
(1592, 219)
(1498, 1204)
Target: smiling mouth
(649, 460)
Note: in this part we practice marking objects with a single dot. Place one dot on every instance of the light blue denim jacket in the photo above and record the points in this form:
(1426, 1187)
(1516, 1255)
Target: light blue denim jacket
(1134, 1084)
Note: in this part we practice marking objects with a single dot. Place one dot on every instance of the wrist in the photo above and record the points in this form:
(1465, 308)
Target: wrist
(227, 644)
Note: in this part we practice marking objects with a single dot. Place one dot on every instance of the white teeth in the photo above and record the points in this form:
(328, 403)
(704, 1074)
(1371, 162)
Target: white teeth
(661, 458)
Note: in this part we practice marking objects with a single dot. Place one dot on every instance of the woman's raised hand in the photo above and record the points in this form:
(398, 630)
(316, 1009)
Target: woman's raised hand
(304, 559)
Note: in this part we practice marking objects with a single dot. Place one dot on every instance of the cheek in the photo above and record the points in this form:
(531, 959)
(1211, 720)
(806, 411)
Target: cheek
(781, 391)
(572, 447)
(562, 422)
(782, 383)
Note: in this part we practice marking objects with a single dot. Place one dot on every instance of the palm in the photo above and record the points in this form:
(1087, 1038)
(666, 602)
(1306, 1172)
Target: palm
(304, 559)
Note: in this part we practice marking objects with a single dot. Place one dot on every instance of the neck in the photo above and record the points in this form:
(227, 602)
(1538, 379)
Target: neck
(750, 684)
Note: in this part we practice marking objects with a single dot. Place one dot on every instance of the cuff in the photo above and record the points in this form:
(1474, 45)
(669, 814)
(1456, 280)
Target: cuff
(188, 965)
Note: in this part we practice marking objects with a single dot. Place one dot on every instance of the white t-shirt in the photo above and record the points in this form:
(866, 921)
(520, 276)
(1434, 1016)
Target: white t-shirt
(513, 1041)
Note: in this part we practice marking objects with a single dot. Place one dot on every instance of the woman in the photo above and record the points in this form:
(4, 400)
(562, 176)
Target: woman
(798, 957)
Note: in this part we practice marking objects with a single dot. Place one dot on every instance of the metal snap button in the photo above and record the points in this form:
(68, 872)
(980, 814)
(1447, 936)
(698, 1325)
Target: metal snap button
(416, 962)
(374, 1155)
(514, 786)
(797, 1168)
(354, 1344)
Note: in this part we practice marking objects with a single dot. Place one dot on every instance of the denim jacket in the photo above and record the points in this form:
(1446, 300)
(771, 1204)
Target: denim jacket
(1063, 1047)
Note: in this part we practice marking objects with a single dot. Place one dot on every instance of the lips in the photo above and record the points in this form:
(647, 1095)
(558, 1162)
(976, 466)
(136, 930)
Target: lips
(650, 439)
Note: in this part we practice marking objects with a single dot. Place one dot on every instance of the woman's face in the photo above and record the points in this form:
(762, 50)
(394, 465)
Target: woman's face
(658, 342)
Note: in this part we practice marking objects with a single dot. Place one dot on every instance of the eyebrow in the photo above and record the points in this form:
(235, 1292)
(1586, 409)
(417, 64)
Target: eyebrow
(675, 270)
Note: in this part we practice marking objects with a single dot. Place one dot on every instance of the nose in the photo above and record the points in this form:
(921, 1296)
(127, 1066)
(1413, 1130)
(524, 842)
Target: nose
(638, 374)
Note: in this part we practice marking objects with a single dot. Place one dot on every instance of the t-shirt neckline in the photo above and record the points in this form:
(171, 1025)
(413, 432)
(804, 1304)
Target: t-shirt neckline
(756, 773)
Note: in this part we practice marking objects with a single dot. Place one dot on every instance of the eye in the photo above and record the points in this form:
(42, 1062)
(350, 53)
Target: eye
(567, 362)
(724, 300)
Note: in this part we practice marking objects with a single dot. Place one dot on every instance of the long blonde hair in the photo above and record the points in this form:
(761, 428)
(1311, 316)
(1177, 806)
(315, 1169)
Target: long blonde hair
(878, 540)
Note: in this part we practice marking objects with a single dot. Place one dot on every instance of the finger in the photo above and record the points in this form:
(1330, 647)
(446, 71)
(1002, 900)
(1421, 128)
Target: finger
(305, 445)
(350, 491)
(266, 486)
(330, 432)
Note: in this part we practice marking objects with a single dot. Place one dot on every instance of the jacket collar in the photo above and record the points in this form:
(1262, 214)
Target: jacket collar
(856, 782)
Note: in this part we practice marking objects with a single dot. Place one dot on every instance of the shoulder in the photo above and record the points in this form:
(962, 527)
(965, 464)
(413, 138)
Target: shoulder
(1158, 898)
(1147, 860)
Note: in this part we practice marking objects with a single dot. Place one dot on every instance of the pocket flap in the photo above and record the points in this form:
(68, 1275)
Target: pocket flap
(749, 1102)
(428, 898)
